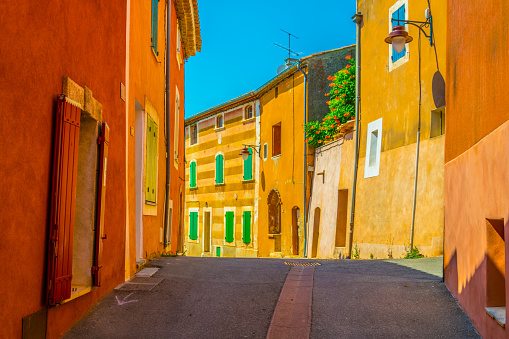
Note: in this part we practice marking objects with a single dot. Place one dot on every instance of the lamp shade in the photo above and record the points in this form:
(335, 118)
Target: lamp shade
(398, 38)
(245, 153)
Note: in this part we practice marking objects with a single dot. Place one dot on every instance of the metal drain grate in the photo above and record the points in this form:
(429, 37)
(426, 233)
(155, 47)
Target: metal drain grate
(306, 264)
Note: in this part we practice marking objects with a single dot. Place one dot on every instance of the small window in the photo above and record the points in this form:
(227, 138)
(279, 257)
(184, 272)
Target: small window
(193, 225)
(151, 161)
(265, 151)
(248, 166)
(246, 227)
(276, 140)
(176, 126)
(153, 37)
(248, 112)
(437, 127)
(192, 174)
(373, 149)
(219, 121)
(229, 226)
(219, 169)
(397, 14)
(396, 20)
(194, 134)
(276, 92)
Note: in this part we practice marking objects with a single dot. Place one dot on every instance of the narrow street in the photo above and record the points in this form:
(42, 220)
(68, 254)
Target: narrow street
(236, 298)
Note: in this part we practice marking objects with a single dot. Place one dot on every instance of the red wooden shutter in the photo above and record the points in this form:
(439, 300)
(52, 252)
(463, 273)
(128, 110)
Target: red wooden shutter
(276, 140)
(103, 142)
(63, 201)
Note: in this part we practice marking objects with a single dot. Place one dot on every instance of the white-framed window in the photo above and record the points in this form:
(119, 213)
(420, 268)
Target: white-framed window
(229, 226)
(194, 225)
(398, 11)
(265, 151)
(219, 168)
(179, 46)
(373, 149)
(220, 121)
(248, 112)
(193, 134)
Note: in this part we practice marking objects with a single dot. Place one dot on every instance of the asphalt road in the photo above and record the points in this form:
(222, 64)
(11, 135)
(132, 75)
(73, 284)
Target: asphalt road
(235, 298)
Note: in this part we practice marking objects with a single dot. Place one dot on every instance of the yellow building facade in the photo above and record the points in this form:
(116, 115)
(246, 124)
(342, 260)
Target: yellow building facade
(388, 134)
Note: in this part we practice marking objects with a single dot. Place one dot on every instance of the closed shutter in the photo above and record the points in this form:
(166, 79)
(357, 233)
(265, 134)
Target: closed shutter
(155, 13)
(151, 161)
(104, 140)
(248, 166)
(246, 232)
(399, 14)
(276, 140)
(63, 201)
(192, 174)
(193, 227)
(219, 169)
(229, 227)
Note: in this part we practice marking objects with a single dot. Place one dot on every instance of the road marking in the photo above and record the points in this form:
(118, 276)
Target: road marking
(124, 301)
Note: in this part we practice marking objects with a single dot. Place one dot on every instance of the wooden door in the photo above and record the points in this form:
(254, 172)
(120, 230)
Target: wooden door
(206, 233)
(316, 233)
(295, 231)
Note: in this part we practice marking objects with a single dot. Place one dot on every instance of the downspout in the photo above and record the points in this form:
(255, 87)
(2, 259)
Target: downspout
(167, 99)
(357, 18)
(305, 161)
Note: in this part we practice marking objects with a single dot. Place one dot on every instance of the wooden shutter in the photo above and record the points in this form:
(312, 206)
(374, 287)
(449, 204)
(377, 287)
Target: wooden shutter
(155, 13)
(399, 14)
(219, 169)
(276, 140)
(63, 201)
(246, 237)
(229, 227)
(103, 142)
(248, 166)
(193, 227)
(192, 174)
(151, 161)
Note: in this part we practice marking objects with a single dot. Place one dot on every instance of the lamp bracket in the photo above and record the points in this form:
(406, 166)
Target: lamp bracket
(421, 25)
(255, 147)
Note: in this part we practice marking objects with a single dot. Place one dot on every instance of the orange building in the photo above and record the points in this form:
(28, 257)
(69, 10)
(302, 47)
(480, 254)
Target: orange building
(162, 36)
(476, 149)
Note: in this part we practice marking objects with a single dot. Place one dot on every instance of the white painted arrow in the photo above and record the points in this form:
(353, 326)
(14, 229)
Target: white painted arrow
(124, 301)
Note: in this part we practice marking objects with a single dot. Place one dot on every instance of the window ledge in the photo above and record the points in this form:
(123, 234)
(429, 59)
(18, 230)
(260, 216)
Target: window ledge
(497, 313)
(150, 203)
(246, 121)
(219, 129)
(193, 188)
(155, 54)
(220, 184)
(190, 144)
(248, 181)
(276, 156)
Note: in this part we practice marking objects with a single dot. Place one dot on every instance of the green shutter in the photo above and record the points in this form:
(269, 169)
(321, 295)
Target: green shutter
(151, 161)
(246, 238)
(248, 166)
(155, 8)
(193, 225)
(230, 216)
(219, 169)
(192, 175)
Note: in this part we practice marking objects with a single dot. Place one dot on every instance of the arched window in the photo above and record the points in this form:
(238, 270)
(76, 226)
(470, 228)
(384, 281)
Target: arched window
(219, 121)
(248, 112)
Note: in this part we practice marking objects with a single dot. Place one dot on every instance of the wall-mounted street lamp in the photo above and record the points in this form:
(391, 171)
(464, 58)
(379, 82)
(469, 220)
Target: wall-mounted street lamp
(245, 152)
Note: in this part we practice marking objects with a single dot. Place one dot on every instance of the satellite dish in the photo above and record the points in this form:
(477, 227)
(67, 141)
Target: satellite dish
(281, 68)
(438, 89)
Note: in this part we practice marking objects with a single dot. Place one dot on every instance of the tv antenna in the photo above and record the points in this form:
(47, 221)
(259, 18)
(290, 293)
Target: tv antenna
(289, 44)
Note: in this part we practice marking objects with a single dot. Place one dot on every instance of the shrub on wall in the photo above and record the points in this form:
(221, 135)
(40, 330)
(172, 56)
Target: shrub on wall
(341, 102)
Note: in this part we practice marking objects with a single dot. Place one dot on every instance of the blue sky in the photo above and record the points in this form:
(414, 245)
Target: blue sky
(238, 54)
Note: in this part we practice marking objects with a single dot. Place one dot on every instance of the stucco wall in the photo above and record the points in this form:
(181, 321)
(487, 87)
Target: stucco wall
(325, 196)
(43, 42)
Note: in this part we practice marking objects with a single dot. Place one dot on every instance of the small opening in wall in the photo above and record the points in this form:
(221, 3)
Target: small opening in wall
(276, 92)
(495, 270)
(372, 150)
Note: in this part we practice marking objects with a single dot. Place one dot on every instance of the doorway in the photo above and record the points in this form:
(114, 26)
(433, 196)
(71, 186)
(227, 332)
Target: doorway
(274, 202)
(316, 232)
(295, 230)
(139, 118)
(206, 231)
(341, 218)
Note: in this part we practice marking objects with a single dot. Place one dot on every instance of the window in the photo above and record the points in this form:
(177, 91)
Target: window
(373, 149)
(246, 227)
(219, 169)
(276, 139)
(276, 92)
(265, 151)
(495, 270)
(220, 121)
(194, 134)
(153, 37)
(176, 125)
(248, 112)
(437, 126)
(179, 46)
(248, 166)
(193, 224)
(229, 226)
(396, 13)
(192, 174)
(151, 162)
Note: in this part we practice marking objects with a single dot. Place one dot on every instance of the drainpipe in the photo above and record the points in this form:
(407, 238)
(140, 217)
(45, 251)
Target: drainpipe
(305, 161)
(167, 99)
(357, 18)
